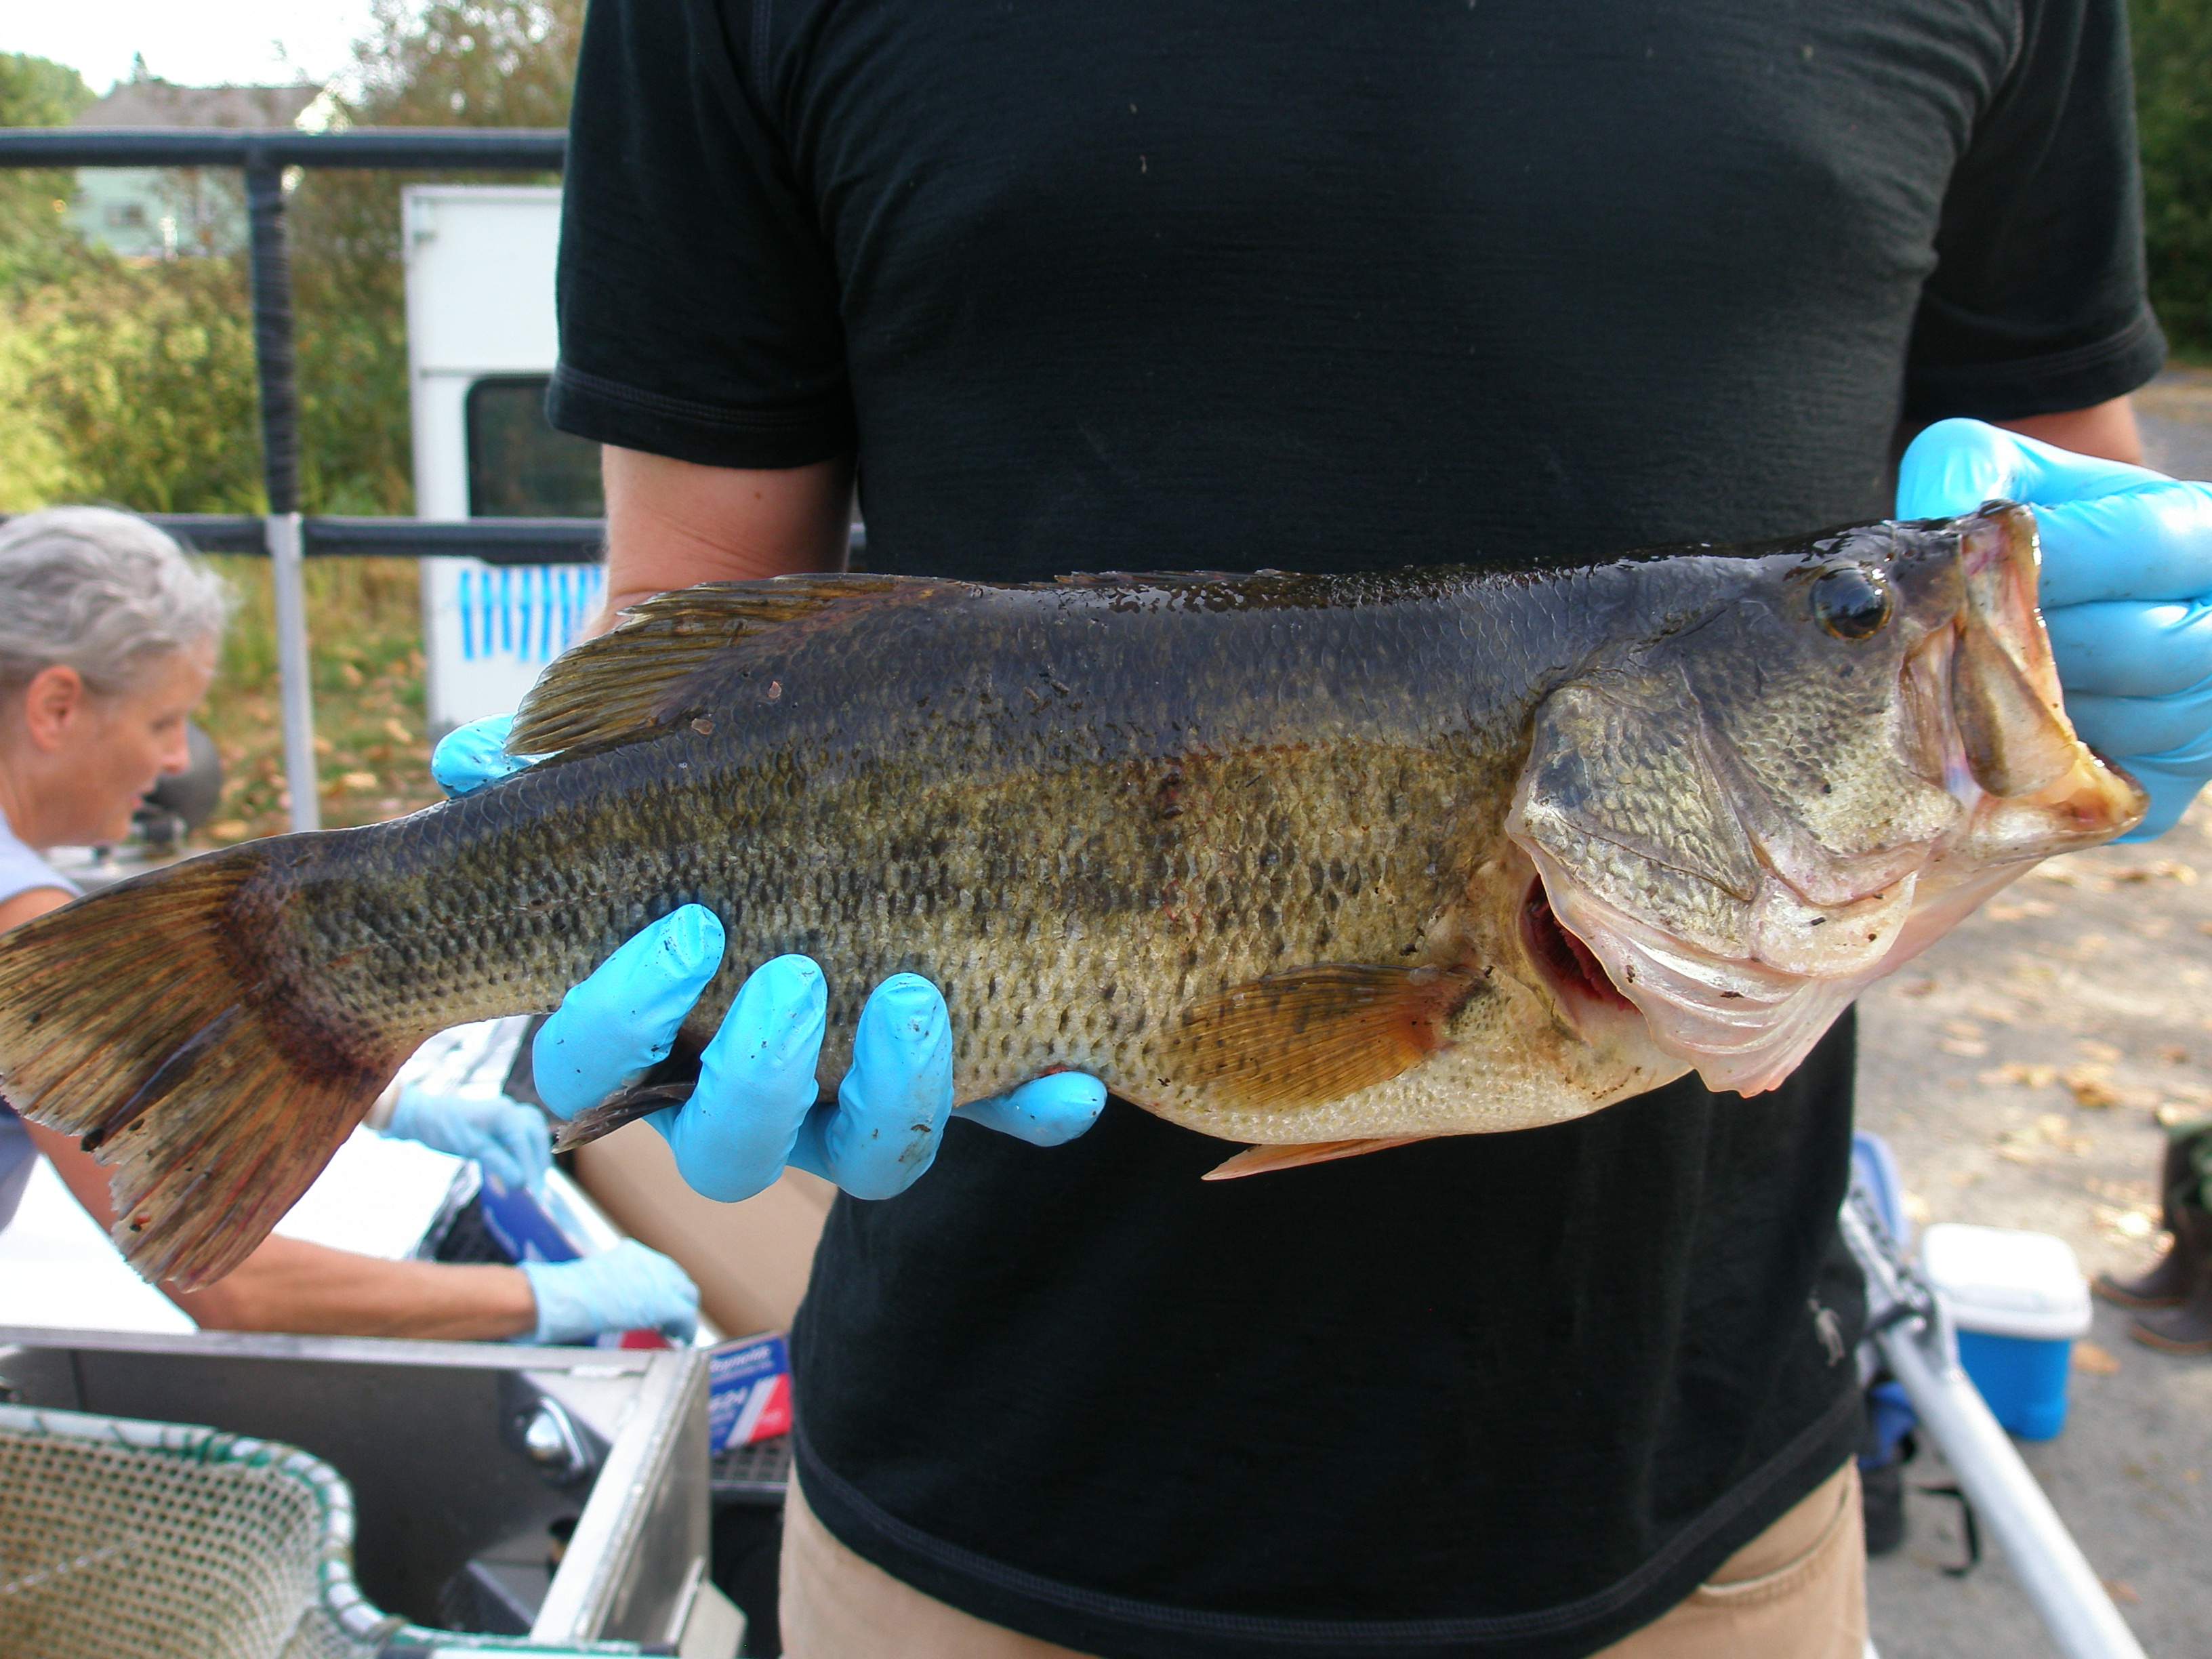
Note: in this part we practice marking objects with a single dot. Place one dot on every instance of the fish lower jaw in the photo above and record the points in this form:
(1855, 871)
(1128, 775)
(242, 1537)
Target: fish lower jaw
(1743, 1026)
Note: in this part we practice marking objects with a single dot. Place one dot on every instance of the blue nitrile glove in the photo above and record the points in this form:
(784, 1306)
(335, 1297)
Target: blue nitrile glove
(512, 1142)
(470, 757)
(754, 1111)
(628, 1288)
(2126, 592)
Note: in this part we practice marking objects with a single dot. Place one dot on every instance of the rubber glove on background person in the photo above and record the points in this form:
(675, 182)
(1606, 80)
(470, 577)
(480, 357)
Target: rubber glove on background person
(2126, 592)
(628, 1288)
(511, 1142)
(755, 1109)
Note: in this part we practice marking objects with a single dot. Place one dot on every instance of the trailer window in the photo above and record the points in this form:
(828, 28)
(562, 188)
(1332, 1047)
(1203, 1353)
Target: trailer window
(518, 467)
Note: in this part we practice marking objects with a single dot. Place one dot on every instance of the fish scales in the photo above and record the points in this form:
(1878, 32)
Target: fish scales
(1314, 864)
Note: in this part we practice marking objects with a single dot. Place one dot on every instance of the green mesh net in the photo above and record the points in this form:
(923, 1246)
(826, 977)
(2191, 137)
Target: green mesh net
(121, 1539)
(124, 1540)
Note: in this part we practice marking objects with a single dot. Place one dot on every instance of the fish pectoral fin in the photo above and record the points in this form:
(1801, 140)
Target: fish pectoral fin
(1259, 1160)
(632, 677)
(1315, 1034)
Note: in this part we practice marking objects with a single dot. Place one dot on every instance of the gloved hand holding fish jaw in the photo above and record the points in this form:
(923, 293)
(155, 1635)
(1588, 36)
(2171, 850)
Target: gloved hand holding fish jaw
(2126, 589)
(1320, 864)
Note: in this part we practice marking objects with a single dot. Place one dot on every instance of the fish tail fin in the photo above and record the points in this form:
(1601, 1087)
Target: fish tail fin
(145, 1020)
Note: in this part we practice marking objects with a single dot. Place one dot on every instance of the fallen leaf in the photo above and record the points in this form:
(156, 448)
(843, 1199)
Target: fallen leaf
(2091, 1086)
(2120, 1590)
(397, 733)
(2160, 870)
(1970, 1049)
(358, 780)
(2097, 1361)
(1921, 987)
(2172, 1053)
(230, 830)
(2090, 1048)
(2028, 1075)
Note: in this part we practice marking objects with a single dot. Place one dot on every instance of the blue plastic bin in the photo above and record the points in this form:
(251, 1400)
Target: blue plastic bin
(2019, 1301)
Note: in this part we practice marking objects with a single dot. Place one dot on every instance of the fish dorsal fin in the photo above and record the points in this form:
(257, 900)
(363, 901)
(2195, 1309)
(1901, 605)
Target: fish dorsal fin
(1259, 1160)
(629, 678)
(1315, 1034)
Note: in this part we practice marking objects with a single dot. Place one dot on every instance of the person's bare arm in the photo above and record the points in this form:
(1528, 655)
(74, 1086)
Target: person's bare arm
(311, 1290)
(2107, 430)
(673, 523)
(35, 902)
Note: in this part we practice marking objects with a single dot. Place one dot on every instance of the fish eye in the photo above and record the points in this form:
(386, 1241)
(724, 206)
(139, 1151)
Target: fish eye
(1850, 601)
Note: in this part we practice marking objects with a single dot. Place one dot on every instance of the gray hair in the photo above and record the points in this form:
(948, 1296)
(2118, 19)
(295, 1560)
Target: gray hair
(101, 591)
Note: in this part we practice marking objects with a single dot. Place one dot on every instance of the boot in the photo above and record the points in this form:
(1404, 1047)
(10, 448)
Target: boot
(2173, 1278)
(2185, 1329)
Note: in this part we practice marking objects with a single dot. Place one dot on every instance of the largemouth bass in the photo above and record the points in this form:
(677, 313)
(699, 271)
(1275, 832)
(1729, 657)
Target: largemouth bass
(1313, 863)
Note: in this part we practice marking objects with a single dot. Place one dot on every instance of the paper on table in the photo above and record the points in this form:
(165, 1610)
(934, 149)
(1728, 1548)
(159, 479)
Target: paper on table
(378, 1197)
(56, 1268)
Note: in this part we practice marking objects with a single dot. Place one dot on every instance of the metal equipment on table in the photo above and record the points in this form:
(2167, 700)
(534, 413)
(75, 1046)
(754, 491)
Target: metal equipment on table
(545, 1500)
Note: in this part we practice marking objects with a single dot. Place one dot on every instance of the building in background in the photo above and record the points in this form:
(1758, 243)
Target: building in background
(163, 212)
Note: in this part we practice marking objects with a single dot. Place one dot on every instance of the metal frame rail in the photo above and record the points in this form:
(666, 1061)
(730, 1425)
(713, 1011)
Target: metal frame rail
(284, 534)
(1908, 1323)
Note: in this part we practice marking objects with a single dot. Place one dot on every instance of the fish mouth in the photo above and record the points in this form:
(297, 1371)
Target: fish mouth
(1980, 718)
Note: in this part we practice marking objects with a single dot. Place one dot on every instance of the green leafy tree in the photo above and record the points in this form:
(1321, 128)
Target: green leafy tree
(2173, 102)
(141, 380)
(34, 240)
(134, 383)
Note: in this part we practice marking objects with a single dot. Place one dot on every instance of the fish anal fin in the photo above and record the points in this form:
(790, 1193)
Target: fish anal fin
(632, 677)
(1317, 1034)
(1259, 1160)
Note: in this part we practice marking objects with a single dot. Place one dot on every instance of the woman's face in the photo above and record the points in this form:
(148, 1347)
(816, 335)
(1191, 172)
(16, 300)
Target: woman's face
(124, 743)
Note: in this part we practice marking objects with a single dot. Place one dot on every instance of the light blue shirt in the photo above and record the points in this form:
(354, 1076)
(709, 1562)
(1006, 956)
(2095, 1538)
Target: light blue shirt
(20, 870)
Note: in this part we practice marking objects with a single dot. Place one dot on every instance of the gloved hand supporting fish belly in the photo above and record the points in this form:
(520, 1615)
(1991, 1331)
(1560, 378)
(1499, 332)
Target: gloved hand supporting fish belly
(753, 1108)
(1315, 864)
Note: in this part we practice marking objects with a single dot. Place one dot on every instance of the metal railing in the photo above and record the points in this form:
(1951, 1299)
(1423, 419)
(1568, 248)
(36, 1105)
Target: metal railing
(284, 533)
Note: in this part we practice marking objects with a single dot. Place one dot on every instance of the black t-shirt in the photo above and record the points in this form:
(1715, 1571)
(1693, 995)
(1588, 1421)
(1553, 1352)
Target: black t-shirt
(1325, 287)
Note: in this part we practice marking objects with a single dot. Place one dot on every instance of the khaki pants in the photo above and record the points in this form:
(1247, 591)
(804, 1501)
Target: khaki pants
(1796, 1591)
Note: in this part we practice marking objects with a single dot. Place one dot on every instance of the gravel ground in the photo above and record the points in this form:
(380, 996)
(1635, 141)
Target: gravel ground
(2018, 1070)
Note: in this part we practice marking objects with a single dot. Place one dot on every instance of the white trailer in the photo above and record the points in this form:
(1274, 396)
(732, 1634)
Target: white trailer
(481, 344)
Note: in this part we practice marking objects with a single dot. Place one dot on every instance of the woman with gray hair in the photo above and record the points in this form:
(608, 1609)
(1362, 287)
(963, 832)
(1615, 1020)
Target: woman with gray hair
(108, 633)
(108, 642)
